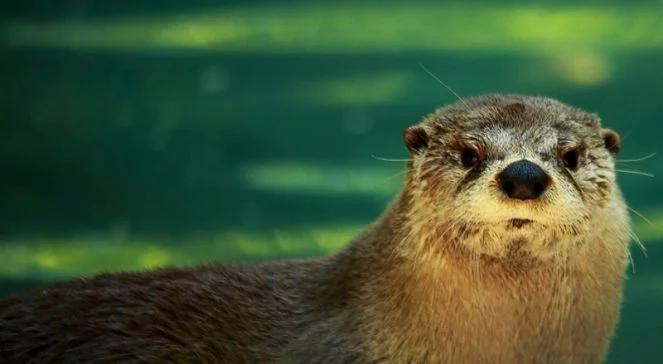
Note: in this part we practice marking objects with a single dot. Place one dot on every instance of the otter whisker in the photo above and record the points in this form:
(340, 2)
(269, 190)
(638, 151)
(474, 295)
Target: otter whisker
(651, 155)
(636, 239)
(640, 215)
(639, 173)
(391, 159)
(430, 73)
(638, 242)
(630, 258)
(400, 173)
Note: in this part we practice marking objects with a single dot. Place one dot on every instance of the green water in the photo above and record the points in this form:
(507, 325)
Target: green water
(141, 134)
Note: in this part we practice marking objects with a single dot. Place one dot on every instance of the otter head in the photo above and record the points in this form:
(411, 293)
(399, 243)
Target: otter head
(508, 176)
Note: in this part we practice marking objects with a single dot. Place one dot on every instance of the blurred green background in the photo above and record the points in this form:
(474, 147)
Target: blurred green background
(136, 134)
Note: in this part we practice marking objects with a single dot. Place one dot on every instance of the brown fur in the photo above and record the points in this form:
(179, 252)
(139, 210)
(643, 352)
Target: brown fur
(451, 273)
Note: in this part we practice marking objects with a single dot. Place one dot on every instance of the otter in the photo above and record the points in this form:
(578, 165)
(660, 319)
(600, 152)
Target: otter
(507, 244)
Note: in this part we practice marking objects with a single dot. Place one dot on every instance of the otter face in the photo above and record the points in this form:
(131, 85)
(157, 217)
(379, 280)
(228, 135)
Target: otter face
(509, 175)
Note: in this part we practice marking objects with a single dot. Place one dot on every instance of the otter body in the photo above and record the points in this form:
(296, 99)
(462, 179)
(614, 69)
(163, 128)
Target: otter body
(507, 245)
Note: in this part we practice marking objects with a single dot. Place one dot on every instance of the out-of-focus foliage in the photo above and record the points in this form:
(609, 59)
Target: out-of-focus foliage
(137, 134)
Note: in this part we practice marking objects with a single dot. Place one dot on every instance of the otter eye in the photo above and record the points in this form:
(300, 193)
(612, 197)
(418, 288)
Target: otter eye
(469, 157)
(570, 159)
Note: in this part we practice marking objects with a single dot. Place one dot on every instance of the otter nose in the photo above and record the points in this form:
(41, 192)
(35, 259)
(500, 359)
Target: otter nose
(523, 180)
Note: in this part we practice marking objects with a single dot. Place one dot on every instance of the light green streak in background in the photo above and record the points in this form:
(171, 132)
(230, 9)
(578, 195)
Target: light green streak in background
(50, 258)
(363, 28)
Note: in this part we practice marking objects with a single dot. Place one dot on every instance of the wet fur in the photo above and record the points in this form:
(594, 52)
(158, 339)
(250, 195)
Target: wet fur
(429, 281)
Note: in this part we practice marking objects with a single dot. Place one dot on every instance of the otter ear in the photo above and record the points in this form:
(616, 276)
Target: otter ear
(415, 138)
(611, 140)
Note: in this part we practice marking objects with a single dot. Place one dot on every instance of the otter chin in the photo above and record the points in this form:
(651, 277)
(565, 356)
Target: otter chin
(507, 244)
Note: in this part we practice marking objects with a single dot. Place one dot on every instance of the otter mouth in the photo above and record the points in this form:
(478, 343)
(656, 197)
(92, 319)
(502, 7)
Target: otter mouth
(519, 223)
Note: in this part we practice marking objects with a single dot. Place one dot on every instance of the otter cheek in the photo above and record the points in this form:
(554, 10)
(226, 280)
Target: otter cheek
(565, 204)
(480, 199)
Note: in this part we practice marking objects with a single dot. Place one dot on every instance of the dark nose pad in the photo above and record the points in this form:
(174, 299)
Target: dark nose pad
(523, 180)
